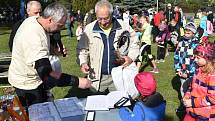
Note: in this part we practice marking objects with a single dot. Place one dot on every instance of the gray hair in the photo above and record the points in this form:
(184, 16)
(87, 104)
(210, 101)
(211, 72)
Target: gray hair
(54, 10)
(104, 3)
(31, 3)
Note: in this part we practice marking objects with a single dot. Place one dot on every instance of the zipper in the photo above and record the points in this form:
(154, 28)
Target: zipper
(108, 45)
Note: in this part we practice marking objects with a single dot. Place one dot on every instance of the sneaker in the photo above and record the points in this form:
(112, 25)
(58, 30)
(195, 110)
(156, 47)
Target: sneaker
(162, 60)
(157, 61)
(155, 70)
(167, 54)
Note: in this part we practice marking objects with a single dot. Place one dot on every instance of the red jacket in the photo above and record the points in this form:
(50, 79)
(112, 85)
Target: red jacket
(202, 94)
(158, 18)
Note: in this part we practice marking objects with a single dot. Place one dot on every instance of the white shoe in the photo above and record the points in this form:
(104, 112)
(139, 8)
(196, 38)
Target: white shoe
(167, 54)
(157, 61)
(162, 60)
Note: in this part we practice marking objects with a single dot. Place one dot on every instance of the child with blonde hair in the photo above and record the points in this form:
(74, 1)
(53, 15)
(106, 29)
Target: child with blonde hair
(146, 42)
(200, 98)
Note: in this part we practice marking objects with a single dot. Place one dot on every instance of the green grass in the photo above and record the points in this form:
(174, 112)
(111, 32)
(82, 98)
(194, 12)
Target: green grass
(165, 78)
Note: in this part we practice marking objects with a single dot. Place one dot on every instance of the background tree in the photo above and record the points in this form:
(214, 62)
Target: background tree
(90, 4)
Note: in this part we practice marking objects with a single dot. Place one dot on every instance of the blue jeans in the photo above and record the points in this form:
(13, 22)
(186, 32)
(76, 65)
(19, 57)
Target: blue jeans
(69, 29)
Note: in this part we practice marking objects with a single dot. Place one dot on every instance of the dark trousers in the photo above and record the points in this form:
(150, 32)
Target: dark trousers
(155, 32)
(161, 52)
(69, 29)
(30, 97)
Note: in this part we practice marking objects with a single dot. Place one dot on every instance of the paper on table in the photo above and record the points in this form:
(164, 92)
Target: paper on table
(115, 96)
(104, 102)
(96, 102)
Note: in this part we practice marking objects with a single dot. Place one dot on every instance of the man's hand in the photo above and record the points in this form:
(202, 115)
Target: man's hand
(84, 83)
(128, 61)
(65, 52)
(58, 51)
(85, 68)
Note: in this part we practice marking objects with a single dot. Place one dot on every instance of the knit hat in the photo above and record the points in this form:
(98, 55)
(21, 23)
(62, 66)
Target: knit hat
(145, 83)
(191, 26)
(169, 5)
(206, 50)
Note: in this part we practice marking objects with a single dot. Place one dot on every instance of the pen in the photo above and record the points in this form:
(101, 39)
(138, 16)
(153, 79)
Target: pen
(94, 80)
(130, 98)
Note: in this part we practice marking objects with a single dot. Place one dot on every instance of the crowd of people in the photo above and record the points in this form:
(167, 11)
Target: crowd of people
(116, 39)
(8, 15)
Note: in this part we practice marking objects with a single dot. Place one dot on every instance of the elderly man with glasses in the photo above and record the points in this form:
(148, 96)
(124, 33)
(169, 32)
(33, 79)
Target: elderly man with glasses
(98, 45)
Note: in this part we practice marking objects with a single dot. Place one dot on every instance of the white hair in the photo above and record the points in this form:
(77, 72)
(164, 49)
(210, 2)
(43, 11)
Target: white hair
(55, 10)
(104, 3)
(31, 3)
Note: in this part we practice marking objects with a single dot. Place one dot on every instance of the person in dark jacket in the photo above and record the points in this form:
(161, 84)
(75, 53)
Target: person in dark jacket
(79, 17)
(169, 13)
(33, 9)
(150, 105)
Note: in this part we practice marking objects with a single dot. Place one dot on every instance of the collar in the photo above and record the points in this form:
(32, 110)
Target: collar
(115, 23)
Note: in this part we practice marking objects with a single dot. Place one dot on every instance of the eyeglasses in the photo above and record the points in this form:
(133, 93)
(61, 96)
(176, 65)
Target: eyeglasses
(59, 25)
(107, 19)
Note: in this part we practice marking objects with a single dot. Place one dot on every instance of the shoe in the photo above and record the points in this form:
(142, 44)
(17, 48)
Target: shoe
(162, 60)
(157, 61)
(155, 70)
(167, 54)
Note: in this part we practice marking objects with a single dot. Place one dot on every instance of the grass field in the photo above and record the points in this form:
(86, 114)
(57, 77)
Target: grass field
(167, 83)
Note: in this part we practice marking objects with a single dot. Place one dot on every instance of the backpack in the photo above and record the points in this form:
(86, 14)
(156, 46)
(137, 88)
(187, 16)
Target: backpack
(123, 43)
(209, 27)
(174, 37)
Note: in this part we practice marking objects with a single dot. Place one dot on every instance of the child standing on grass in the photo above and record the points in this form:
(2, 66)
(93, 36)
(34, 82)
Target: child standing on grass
(146, 43)
(174, 35)
(160, 39)
(200, 98)
(184, 59)
(150, 105)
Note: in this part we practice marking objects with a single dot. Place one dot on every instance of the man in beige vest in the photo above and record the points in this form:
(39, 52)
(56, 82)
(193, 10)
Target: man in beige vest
(30, 71)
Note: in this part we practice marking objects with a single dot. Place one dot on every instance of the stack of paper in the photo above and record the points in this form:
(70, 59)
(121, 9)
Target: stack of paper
(55, 111)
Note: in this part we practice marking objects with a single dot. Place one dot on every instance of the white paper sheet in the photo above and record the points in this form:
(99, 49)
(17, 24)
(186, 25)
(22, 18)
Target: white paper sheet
(104, 102)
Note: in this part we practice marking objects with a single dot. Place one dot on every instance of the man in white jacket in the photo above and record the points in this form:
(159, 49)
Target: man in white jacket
(98, 44)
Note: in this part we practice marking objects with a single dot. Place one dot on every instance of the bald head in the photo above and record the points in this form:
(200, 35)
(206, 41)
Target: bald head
(33, 8)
